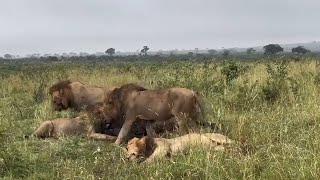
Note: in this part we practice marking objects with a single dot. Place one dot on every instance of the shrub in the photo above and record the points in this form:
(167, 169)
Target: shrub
(232, 71)
(276, 83)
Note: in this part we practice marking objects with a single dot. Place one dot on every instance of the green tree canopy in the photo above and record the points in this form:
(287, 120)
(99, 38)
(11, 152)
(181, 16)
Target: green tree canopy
(111, 51)
(300, 50)
(272, 49)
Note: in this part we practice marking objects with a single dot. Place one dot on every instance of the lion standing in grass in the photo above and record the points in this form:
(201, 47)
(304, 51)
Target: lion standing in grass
(152, 106)
(68, 94)
(151, 149)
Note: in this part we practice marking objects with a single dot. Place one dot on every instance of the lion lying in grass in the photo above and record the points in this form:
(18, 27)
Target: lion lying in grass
(151, 149)
(70, 127)
(90, 123)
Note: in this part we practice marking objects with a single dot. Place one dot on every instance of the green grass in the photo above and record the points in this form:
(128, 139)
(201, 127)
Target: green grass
(273, 106)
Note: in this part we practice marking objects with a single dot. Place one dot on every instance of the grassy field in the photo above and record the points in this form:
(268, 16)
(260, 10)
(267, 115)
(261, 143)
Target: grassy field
(273, 107)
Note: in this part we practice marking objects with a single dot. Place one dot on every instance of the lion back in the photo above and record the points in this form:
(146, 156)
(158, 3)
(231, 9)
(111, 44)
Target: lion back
(120, 94)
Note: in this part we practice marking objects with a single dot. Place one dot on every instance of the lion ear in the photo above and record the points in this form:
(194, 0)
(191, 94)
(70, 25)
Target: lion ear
(132, 141)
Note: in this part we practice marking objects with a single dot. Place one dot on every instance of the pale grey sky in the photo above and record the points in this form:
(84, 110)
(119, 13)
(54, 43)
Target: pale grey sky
(48, 26)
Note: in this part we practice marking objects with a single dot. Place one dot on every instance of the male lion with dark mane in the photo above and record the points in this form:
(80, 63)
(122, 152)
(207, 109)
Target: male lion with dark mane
(151, 106)
(117, 120)
(67, 94)
(151, 149)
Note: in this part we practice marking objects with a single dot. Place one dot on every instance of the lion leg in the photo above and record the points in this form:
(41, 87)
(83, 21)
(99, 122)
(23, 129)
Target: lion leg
(44, 130)
(124, 131)
(98, 136)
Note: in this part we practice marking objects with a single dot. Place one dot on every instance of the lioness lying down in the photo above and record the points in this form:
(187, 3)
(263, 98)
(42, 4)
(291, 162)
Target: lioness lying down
(150, 149)
(69, 127)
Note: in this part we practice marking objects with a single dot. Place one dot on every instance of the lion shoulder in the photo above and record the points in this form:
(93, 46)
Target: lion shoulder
(121, 93)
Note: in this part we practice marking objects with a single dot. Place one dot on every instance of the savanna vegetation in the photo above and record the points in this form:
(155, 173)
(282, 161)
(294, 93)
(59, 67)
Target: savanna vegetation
(271, 106)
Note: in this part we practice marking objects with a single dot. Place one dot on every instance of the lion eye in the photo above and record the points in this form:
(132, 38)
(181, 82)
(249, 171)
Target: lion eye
(134, 154)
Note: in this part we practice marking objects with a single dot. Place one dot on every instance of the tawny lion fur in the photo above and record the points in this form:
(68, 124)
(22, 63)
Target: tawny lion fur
(68, 94)
(152, 106)
(151, 149)
(90, 122)
(70, 127)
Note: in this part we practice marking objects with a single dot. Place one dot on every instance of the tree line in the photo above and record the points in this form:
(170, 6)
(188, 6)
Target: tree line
(270, 49)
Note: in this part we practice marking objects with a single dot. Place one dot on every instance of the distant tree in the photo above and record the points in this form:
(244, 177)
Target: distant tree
(53, 58)
(36, 55)
(111, 51)
(190, 53)
(272, 49)
(250, 50)
(225, 52)
(300, 50)
(7, 56)
(144, 50)
(83, 54)
(72, 54)
(212, 51)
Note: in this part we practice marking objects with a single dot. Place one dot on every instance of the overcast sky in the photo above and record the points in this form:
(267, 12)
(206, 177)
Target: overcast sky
(48, 26)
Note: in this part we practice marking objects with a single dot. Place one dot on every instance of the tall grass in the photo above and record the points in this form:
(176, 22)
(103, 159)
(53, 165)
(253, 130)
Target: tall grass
(273, 107)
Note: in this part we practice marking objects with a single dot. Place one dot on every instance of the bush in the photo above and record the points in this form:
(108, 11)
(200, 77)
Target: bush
(232, 71)
(276, 83)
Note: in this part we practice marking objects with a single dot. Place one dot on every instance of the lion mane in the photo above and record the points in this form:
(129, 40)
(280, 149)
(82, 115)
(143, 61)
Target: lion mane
(60, 85)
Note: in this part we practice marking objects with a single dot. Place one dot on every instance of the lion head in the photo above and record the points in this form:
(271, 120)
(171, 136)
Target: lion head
(136, 149)
(114, 101)
(61, 95)
(140, 149)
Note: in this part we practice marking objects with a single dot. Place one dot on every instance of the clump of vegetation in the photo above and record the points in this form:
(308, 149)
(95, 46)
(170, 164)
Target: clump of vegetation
(231, 70)
(39, 93)
(276, 82)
